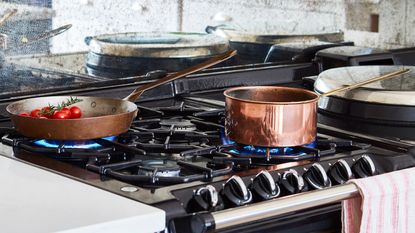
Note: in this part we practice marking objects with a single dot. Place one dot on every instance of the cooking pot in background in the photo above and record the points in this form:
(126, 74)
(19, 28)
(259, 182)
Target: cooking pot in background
(136, 53)
(384, 109)
(254, 47)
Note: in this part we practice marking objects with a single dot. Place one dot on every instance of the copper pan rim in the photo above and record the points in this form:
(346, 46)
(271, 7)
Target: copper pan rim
(16, 114)
(313, 96)
(75, 119)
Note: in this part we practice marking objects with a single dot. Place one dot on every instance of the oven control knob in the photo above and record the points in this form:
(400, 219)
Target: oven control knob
(292, 182)
(205, 198)
(263, 186)
(235, 192)
(340, 172)
(364, 167)
(316, 177)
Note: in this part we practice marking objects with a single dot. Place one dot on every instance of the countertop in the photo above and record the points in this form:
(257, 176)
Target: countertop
(35, 200)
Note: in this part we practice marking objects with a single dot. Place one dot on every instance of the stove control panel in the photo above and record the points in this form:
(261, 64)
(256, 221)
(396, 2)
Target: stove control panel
(265, 185)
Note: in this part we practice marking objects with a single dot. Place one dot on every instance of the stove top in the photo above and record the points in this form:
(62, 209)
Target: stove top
(175, 157)
(173, 145)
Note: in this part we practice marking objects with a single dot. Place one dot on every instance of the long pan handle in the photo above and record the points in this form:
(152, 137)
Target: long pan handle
(213, 61)
(372, 80)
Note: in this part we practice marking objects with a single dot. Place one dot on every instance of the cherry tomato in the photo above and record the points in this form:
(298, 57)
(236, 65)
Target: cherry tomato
(42, 117)
(66, 111)
(60, 115)
(35, 113)
(25, 114)
(75, 112)
(46, 110)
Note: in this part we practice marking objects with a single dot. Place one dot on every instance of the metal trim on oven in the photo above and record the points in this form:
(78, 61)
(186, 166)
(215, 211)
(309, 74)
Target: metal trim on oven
(273, 208)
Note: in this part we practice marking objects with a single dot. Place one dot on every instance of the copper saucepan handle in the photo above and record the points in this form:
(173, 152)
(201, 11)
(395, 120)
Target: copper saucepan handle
(213, 61)
(372, 80)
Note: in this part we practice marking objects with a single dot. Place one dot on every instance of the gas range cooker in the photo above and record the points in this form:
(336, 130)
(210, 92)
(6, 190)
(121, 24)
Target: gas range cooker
(175, 157)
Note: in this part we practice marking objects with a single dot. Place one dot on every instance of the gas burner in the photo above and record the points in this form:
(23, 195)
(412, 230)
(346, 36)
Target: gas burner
(248, 150)
(161, 168)
(86, 144)
(266, 155)
(158, 172)
(178, 124)
(177, 109)
(269, 153)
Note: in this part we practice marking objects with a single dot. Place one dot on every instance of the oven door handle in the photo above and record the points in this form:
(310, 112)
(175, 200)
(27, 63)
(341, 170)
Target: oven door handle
(211, 222)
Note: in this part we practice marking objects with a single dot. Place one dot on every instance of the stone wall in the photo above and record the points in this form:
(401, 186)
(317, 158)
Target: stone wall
(359, 19)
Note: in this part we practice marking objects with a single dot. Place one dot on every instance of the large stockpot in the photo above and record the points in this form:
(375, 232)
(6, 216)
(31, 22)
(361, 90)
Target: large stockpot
(278, 116)
(136, 53)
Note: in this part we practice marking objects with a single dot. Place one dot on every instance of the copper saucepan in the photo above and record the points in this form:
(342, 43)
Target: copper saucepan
(101, 116)
(271, 116)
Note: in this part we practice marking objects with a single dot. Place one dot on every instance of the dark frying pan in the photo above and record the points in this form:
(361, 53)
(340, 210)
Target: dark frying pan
(101, 116)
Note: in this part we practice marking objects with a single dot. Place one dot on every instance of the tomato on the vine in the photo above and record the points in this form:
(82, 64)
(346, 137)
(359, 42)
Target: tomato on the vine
(66, 111)
(35, 113)
(51, 112)
(46, 112)
(61, 115)
(75, 112)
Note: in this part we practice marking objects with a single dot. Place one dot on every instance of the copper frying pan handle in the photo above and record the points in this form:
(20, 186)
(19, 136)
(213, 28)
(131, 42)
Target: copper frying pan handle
(213, 61)
(372, 80)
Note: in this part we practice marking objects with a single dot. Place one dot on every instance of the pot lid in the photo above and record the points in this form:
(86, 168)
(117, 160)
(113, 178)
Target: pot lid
(398, 90)
(302, 45)
(274, 38)
(349, 51)
(158, 44)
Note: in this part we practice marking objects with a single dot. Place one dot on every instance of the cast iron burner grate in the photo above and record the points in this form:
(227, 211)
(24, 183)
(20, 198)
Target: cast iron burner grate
(171, 145)
(159, 171)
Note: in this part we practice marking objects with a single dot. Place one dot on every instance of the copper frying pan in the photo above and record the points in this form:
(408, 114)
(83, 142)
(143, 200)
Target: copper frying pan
(101, 116)
(271, 116)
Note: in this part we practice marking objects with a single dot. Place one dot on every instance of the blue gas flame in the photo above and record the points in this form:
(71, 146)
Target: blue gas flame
(88, 144)
(257, 150)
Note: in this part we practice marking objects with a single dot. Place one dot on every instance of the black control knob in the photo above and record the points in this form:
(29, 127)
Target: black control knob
(235, 192)
(364, 167)
(292, 182)
(205, 199)
(263, 186)
(316, 177)
(340, 172)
